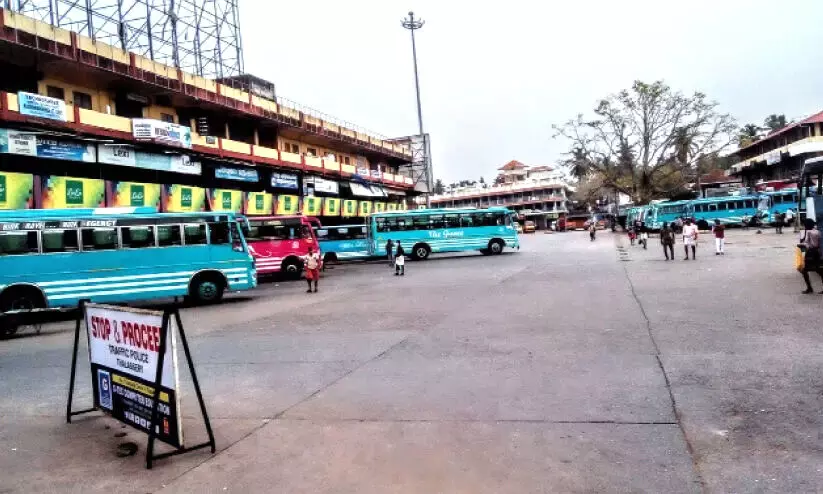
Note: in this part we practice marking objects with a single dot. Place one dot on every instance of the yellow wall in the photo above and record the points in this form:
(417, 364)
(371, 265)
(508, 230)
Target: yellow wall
(99, 99)
(154, 112)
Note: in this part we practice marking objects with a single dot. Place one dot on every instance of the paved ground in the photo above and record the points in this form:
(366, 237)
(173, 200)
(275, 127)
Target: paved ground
(568, 367)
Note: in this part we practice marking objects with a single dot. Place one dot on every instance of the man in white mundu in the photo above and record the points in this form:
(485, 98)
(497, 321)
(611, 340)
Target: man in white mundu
(690, 239)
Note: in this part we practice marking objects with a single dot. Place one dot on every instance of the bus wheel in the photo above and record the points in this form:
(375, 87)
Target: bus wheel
(292, 268)
(18, 298)
(496, 247)
(421, 252)
(206, 289)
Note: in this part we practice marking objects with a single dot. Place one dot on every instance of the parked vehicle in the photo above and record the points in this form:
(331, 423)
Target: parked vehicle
(529, 227)
(278, 243)
(343, 242)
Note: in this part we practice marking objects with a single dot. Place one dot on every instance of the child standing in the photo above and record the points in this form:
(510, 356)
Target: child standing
(400, 261)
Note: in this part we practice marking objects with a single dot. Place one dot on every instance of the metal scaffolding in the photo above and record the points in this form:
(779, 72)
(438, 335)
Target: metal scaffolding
(420, 168)
(198, 36)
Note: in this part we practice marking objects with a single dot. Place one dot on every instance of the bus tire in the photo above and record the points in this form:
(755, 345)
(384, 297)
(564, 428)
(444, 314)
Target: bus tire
(16, 298)
(329, 257)
(207, 288)
(420, 252)
(292, 268)
(496, 246)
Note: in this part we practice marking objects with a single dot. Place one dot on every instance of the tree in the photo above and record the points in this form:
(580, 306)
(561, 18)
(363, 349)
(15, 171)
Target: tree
(645, 141)
(482, 181)
(748, 134)
(775, 122)
(439, 188)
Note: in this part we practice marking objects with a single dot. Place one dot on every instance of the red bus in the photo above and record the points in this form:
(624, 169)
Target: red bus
(278, 243)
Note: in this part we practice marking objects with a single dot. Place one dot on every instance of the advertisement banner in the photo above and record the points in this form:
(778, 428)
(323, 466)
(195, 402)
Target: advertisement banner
(364, 208)
(124, 351)
(69, 192)
(401, 206)
(170, 134)
(349, 208)
(319, 184)
(363, 171)
(184, 199)
(128, 156)
(331, 206)
(35, 105)
(16, 190)
(287, 204)
(16, 142)
(240, 174)
(66, 150)
(225, 200)
(284, 180)
(259, 203)
(391, 206)
(128, 194)
(376, 174)
(379, 207)
(311, 205)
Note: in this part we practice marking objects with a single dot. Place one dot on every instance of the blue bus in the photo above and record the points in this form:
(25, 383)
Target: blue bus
(55, 258)
(667, 212)
(779, 201)
(424, 231)
(729, 210)
(343, 243)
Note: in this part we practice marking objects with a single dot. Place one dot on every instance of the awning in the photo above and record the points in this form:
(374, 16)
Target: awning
(805, 147)
(361, 190)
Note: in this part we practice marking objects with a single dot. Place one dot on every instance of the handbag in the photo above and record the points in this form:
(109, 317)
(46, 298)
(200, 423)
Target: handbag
(799, 259)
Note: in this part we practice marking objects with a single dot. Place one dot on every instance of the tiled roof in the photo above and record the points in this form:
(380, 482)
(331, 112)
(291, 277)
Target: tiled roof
(816, 118)
(512, 165)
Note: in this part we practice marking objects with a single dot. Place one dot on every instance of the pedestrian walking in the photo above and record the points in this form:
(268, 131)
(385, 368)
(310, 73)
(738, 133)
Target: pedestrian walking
(678, 225)
(644, 235)
(390, 252)
(810, 244)
(312, 263)
(790, 217)
(592, 230)
(745, 220)
(719, 238)
(778, 223)
(690, 239)
(632, 234)
(667, 240)
(400, 261)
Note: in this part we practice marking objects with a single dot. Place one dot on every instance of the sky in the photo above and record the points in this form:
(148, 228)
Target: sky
(495, 77)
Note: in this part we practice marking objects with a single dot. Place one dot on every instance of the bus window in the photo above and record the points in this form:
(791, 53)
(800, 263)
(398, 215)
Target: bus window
(135, 237)
(467, 220)
(387, 224)
(451, 221)
(420, 223)
(712, 207)
(403, 224)
(748, 203)
(168, 235)
(195, 234)
(305, 231)
(14, 243)
(437, 221)
(219, 233)
(99, 238)
(60, 241)
(269, 232)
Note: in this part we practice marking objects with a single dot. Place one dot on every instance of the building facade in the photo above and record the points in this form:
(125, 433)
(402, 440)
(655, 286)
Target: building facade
(538, 193)
(86, 124)
(778, 157)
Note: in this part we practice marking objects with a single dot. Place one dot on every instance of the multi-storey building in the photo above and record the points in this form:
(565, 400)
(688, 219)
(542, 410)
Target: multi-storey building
(539, 193)
(778, 157)
(84, 123)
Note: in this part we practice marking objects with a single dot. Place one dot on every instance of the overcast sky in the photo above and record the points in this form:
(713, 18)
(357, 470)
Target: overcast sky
(494, 79)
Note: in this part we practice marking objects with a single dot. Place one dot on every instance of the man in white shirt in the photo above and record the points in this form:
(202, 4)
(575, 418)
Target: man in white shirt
(690, 239)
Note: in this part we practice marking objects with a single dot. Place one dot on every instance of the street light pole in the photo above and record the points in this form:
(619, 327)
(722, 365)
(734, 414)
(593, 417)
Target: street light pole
(413, 25)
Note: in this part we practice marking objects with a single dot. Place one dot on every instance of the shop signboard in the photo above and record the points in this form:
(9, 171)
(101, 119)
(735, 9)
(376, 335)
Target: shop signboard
(363, 171)
(240, 174)
(58, 192)
(284, 180)
(379, 207)
(124, 353)
(168, 133)
(66, 150)
(364, 208)
(16, 142)
(311, 205)
(226, 200)
(391, 206)
(36, 105)
(349, 208)
(128, 156)
(184, 199)
(376, 174)
(129, 194)
(259, 203)
(287, 204)
(331, 206)
(16, 190)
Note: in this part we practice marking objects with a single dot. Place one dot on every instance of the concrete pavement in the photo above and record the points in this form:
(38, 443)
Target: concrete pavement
(570, 366)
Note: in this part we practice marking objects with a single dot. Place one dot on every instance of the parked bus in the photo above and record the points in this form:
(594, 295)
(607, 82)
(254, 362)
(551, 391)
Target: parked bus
(55, 258)
(424, 231)
(779, 201)
(811, 190)
(343, 243)
(729, 210)
(279, 243)
(667, 212)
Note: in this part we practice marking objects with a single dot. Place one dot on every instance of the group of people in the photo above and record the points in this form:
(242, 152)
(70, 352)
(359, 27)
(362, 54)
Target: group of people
(689, 233)
(397, 257)
(312, 263)
(638, 232)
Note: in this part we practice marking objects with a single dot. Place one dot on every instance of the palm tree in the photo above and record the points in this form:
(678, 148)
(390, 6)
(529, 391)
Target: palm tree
(775, 122)
(748, 134)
